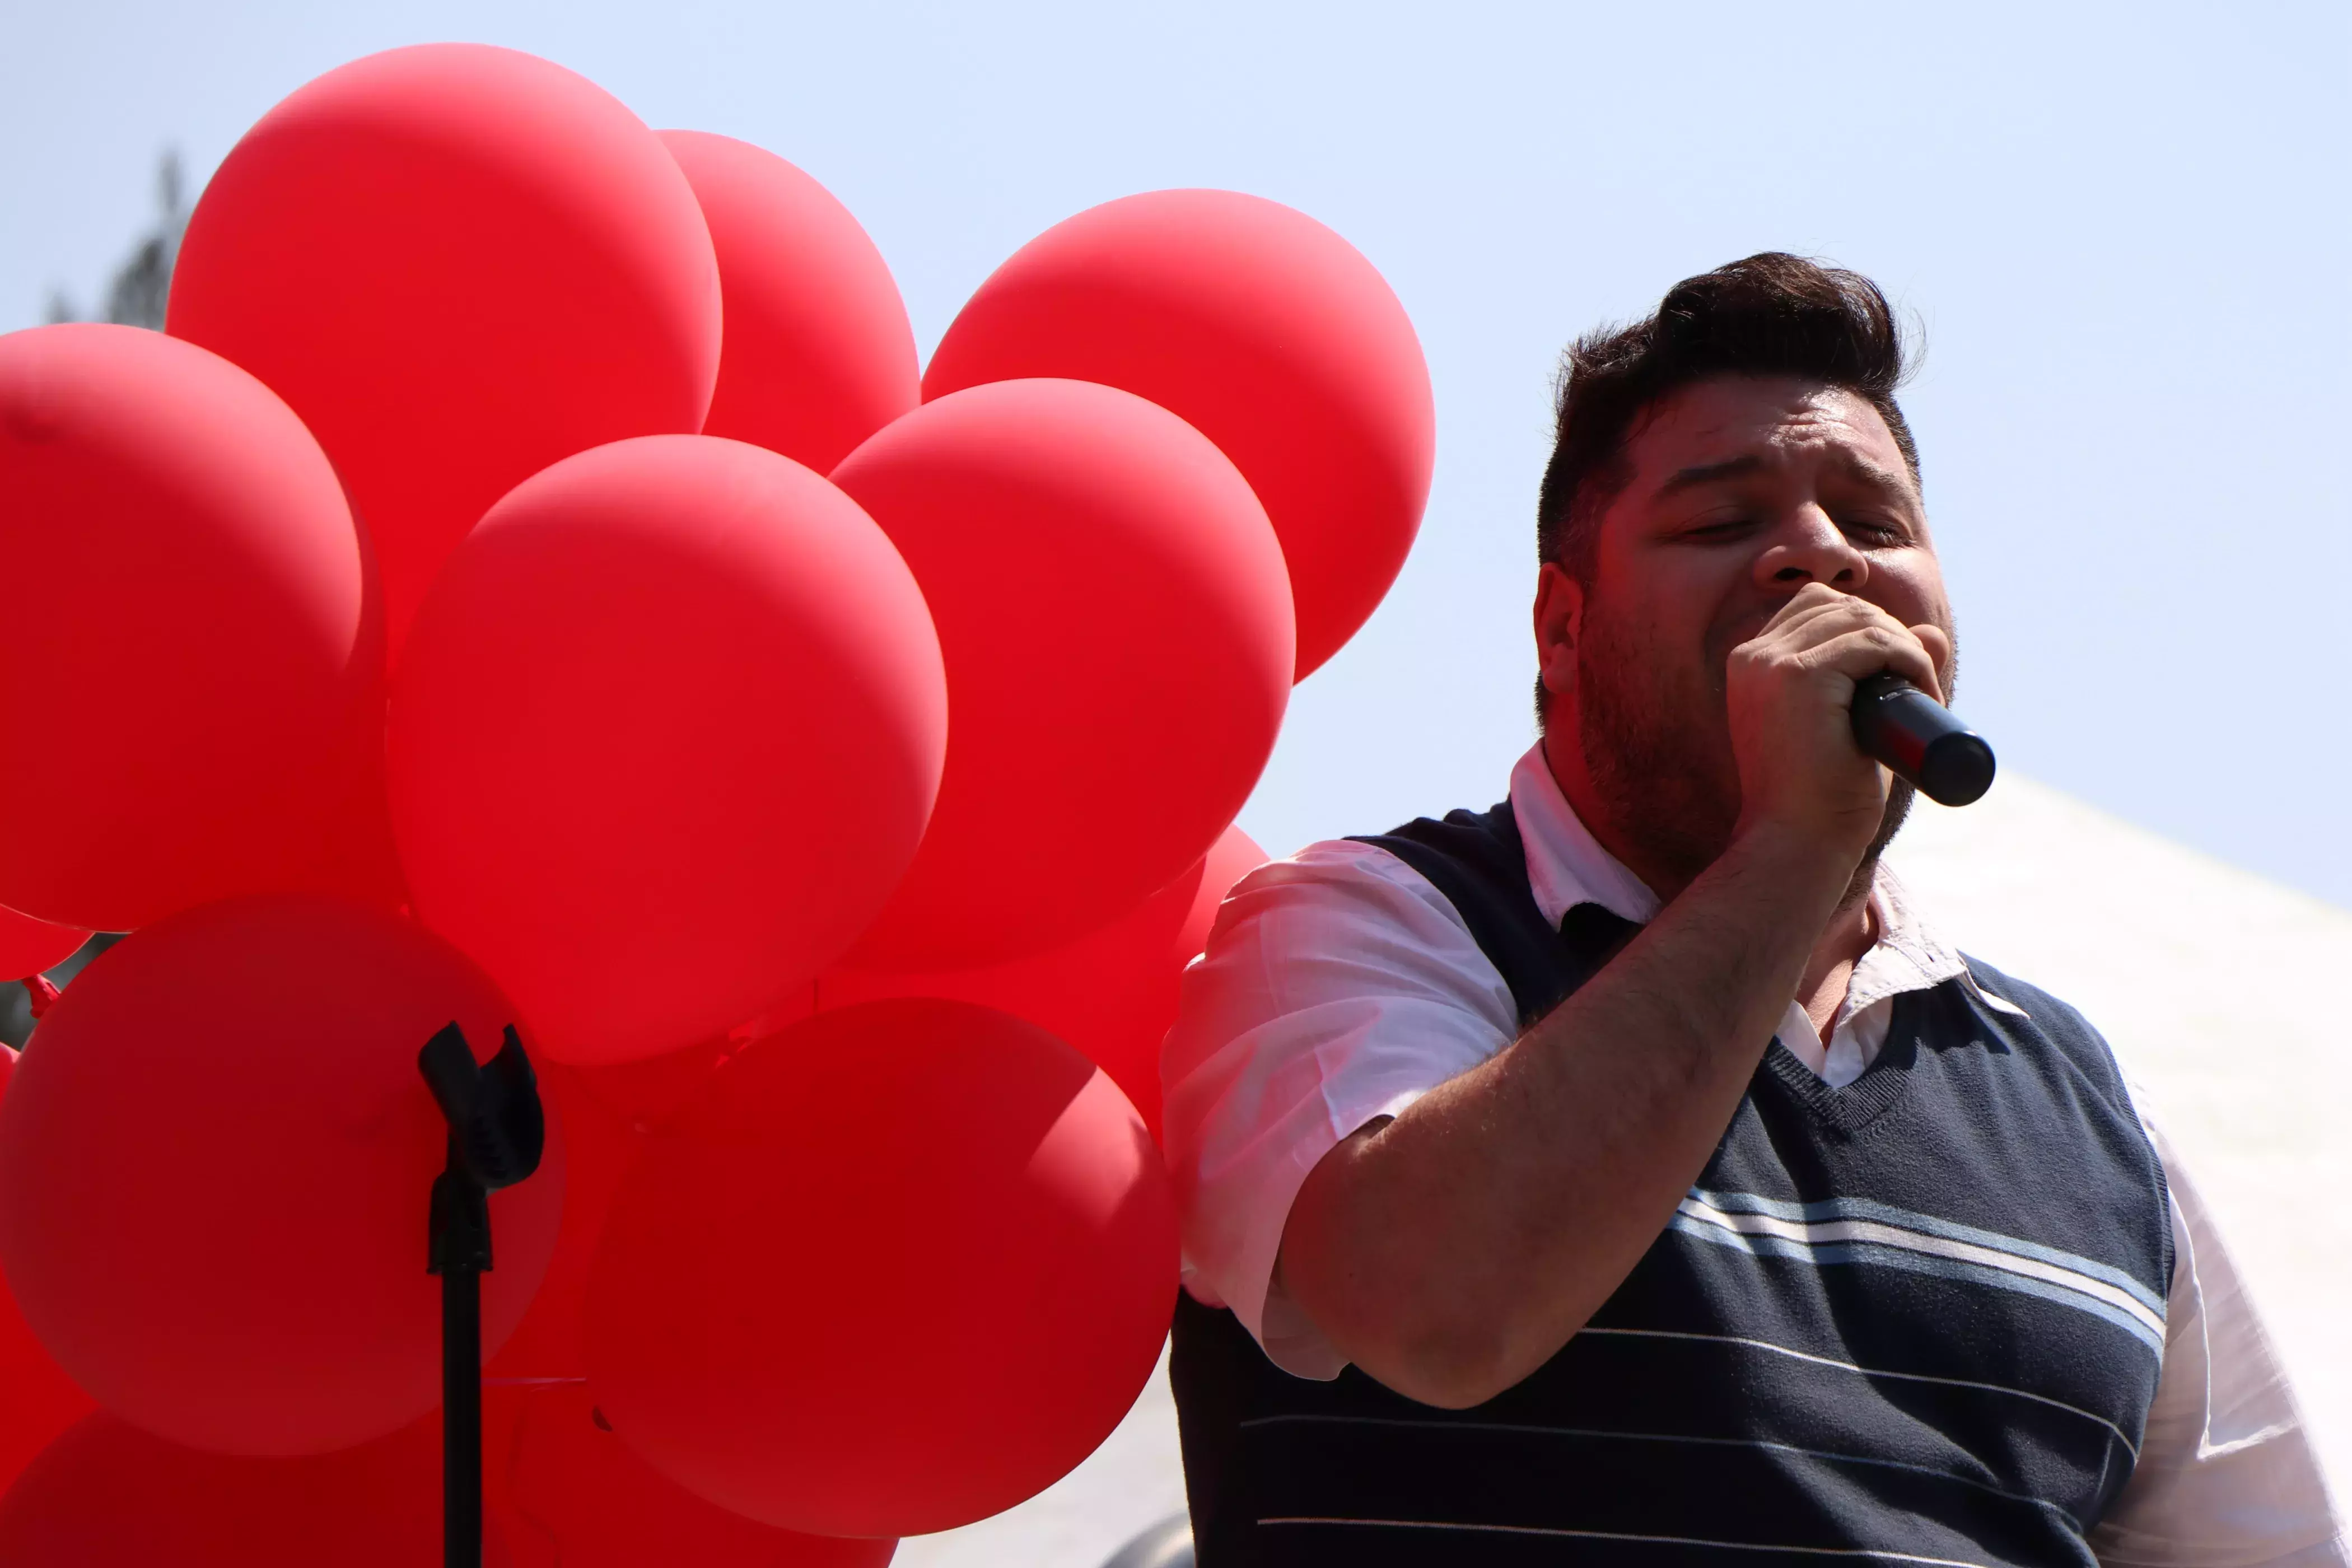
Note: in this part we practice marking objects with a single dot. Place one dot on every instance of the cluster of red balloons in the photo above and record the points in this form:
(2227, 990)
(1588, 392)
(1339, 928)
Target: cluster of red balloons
(529, 582)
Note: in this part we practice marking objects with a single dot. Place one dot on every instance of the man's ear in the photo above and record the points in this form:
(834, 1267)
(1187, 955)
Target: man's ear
(1559, 627)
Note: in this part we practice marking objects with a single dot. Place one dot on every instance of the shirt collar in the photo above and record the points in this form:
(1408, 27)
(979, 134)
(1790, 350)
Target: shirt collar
(1568, 866)
(1909, 954)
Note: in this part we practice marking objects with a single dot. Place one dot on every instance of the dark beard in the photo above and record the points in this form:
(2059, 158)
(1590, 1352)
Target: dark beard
(1671, 787)
(1899, 795)
(1662, 784)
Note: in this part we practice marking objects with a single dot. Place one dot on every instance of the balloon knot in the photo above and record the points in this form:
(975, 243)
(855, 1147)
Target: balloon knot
(39, 994)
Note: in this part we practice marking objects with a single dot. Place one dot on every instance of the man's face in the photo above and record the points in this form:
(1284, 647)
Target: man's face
(1742, 490)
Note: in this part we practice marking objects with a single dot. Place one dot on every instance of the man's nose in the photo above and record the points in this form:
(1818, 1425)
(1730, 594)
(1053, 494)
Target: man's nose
(1809, 547)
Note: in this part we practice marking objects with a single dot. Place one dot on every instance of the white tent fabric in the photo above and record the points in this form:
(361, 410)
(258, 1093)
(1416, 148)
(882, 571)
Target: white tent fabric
(2220, 991)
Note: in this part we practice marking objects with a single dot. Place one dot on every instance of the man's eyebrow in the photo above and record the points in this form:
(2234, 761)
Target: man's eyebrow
(1711, 473)
(1876, 475)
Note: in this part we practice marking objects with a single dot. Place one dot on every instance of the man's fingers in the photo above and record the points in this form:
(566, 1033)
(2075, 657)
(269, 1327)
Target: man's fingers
(1938, 644)
(1807, 605)
(1818, 617)
(1865, 651)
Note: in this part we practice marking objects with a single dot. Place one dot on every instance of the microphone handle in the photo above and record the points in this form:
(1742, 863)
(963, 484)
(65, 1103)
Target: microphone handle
(1921, 740)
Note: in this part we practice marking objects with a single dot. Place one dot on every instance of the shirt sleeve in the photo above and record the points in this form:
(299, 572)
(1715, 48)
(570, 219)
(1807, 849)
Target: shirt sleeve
(1339, 986)
(2227, 1477)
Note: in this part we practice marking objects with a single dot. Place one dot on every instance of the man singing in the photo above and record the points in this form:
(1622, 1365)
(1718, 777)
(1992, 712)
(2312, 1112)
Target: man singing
(1629, 1174)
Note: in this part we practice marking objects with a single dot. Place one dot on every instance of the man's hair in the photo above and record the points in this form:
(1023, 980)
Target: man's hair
(1772, 314)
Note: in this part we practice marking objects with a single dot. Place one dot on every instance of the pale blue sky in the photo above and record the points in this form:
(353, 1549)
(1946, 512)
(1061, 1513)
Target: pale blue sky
(2124, 228)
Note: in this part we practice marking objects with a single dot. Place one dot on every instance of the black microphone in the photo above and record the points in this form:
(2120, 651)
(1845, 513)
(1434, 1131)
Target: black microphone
(1919, 738)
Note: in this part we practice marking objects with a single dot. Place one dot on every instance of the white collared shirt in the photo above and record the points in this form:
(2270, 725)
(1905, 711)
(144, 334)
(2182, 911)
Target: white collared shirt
(1340, 986)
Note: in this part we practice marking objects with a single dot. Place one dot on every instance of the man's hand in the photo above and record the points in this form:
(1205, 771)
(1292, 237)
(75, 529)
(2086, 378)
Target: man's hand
(1789, 690)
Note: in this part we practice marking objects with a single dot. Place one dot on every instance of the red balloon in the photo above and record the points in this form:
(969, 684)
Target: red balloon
(1115, 623)
(214, 1166)
(1112, 994)
(648, 1092)
(458, 264)
(664, 739)
(600, 1147)
(38, 1400)
(194, 652)
(1264, 329)
(819, 354)
(107, 1495)
(895, 1269)
(29, 947)
(577, 1487)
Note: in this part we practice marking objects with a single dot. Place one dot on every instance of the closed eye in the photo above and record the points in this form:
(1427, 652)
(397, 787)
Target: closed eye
(1883, 535)
(1721, 528)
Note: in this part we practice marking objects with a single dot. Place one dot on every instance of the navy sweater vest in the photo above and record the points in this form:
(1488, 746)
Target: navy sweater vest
(1914, 1320)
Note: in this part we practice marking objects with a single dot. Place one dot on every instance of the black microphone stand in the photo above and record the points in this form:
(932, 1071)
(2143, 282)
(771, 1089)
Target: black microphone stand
(498, 1130)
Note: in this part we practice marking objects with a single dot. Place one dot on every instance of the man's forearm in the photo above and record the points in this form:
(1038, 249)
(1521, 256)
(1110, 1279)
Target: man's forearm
(1453, 1250)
